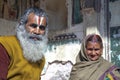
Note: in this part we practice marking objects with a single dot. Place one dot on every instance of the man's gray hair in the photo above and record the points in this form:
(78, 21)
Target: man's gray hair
(36, 11)
(24, 19)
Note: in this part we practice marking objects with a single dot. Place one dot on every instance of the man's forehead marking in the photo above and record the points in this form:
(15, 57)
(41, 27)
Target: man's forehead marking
(39, 20)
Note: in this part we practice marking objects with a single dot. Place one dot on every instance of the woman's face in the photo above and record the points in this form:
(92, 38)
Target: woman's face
(93, 50)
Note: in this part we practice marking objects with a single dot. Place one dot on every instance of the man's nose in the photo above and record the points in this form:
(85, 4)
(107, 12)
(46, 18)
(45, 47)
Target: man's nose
(38, 31)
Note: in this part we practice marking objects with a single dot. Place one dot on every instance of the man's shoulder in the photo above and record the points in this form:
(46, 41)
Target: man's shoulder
(7, 40)
(10, 43)
(4, 38)
(8, 36)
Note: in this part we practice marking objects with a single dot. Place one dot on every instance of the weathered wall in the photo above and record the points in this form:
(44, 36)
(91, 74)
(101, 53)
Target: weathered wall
(7, 27)
(115, 13)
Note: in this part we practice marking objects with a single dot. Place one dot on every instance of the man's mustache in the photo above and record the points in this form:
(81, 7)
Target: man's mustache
(35, 37)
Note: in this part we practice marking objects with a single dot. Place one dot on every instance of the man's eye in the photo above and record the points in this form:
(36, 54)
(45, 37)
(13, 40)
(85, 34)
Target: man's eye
(33, 25)
(42, 27)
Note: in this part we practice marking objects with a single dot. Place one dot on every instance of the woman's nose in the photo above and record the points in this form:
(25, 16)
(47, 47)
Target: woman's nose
(93, 52)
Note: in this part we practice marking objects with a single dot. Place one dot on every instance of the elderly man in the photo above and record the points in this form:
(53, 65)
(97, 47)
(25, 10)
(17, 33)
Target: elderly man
(22, 56)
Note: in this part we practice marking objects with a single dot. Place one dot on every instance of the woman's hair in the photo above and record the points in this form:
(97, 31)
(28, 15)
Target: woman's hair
(94, 38)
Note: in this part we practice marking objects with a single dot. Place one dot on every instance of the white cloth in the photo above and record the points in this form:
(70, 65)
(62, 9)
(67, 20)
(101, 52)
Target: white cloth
(57, 71)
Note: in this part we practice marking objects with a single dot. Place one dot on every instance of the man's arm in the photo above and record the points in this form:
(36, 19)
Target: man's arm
(4, 63)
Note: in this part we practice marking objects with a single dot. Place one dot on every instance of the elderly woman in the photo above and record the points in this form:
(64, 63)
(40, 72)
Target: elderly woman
(91, 65)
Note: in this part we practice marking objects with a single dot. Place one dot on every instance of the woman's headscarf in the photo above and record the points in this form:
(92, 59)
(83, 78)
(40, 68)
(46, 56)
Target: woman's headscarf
(85, 69)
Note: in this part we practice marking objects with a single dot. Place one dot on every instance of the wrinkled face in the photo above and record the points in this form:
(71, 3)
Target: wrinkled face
(36, 25)
(93, 50)
(33, 37)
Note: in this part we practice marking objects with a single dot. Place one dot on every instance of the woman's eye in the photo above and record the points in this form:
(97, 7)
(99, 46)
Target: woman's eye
(90, 49)
(33, 25)
(97, 49)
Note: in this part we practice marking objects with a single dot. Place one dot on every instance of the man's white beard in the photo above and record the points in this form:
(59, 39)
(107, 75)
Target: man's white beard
(33, 50)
